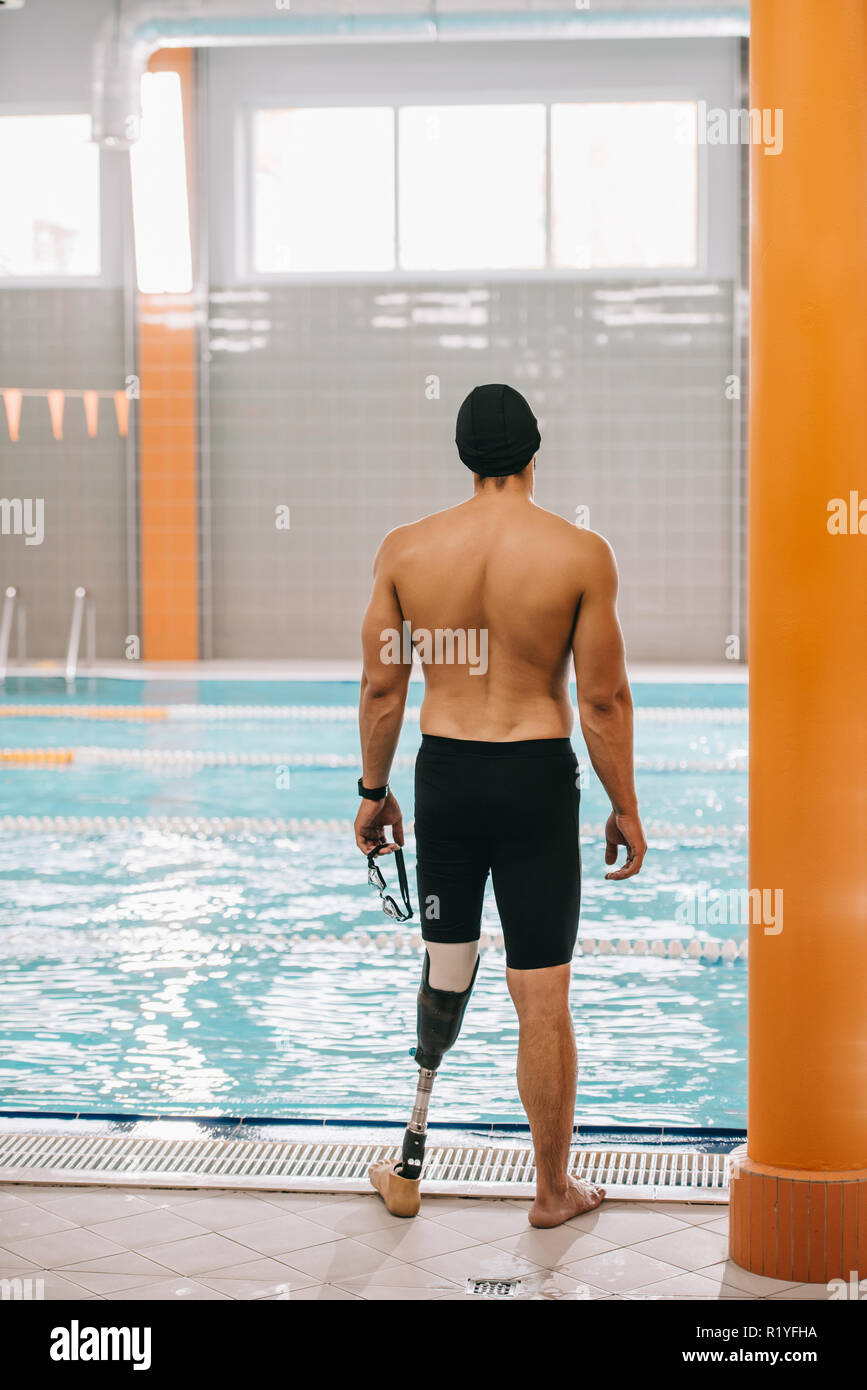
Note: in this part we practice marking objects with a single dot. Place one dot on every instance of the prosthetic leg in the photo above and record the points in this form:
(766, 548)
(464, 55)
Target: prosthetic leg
(440, 1015)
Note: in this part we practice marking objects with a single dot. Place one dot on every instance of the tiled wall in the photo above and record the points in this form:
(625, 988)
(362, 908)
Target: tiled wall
(54, 338)
(317, 392)
(320, 400)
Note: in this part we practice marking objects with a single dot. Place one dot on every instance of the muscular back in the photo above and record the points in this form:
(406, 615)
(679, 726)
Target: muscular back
(507, 579)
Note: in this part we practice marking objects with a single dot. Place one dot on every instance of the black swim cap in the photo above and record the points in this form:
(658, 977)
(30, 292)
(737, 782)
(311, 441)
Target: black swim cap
(496, 432)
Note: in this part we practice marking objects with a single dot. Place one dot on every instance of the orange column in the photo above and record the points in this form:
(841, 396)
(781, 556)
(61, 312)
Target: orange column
(799, 1189)
(168, 440)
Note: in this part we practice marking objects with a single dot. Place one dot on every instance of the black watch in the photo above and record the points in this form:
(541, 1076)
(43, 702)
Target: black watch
(372, 793)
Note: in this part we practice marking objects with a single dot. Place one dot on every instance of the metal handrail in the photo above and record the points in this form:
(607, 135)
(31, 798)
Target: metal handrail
(12, 608)
(82, 609)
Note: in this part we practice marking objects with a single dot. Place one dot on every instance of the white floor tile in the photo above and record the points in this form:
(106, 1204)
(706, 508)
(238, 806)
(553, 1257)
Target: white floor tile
(317, 1292)
(204, 1254)
(688, 1211)
(223, 1212)
(479, 1262)
(693, 1247)
(405, 1276)
(18, 1222)
(556, 1247)
(60, 1287)
(167, 1290)
(727, 1272)
(64, 1247)
(10, 1263)
(488, 1222)
(155, 1228)
(620, 1270)
(339, 1260)
(301, 1201)
(104, 1284)
(626, 1223)
(281, 1233)
(799, 1293)
(88, 1208)
(722, 1225)
(418, 1239)
(686, 1285)
(127, 1262)
(262, 1271)
(248, 1290)
(7, 1199)
(355, 1218)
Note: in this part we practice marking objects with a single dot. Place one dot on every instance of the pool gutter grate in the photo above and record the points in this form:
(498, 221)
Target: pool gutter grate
(641, 1173)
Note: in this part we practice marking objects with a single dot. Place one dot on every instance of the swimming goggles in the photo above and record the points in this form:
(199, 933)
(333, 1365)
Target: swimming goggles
(376, 880)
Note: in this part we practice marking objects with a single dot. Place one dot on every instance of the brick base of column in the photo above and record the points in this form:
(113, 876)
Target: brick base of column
(797, 1224)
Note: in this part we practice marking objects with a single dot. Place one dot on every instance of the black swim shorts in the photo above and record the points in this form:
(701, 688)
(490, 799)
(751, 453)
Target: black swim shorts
(510, 809)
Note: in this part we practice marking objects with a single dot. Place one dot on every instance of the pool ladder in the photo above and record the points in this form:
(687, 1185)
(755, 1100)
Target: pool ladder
(13, 612)
(83, 614)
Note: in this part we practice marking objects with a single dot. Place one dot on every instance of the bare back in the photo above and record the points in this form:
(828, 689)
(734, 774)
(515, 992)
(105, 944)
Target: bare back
(492, 591)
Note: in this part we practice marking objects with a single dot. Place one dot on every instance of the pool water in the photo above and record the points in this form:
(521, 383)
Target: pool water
(250, 971)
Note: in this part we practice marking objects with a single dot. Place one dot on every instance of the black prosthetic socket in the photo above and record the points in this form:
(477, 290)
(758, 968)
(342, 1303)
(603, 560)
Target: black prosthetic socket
(440, 1015)
(412, 1154)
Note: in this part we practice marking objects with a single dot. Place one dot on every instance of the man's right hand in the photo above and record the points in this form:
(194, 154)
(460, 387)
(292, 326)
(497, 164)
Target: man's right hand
(625, 829)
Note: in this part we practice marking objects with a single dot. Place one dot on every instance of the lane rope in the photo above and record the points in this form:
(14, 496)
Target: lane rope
(197, 757)
(307, 825)
(662, 714)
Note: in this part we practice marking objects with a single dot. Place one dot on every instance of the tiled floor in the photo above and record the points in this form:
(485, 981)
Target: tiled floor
(150, 1243)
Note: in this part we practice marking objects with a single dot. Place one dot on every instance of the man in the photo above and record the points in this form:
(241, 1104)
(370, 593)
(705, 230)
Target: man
(496, 785)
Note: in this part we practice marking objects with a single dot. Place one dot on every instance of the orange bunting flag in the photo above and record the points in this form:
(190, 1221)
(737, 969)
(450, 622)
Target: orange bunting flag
(56, 401)
(91, 412)
(121, 410)
(12, 402)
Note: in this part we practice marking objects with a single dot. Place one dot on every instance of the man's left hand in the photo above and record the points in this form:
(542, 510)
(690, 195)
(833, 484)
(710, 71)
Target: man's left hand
(371, 821)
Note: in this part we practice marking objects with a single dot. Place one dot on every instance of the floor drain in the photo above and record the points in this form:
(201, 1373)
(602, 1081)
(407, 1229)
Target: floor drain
(493, 1288)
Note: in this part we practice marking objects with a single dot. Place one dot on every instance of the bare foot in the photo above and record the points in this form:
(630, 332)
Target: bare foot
(580, 1196)
(401, 1195)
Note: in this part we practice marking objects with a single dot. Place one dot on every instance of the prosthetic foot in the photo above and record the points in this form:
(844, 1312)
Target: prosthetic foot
(440, 1015)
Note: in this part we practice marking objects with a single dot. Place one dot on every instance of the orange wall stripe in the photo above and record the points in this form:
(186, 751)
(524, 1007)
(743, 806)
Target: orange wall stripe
(168, 454)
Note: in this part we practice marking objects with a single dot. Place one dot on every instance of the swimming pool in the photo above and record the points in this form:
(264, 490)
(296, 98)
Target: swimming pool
(224, 954)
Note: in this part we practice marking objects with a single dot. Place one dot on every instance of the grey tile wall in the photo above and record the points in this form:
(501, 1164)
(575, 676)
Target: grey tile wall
(320, 401)
(65, 338)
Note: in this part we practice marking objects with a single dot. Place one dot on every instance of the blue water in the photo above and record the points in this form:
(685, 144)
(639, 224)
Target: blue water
(153, 971)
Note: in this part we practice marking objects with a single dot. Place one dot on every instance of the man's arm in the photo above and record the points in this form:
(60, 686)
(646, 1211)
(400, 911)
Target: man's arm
(605, 705)
(383, 698)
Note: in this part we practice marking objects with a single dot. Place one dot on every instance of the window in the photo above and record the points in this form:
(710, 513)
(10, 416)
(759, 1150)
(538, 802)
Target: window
(49, 176)
(158, 175)
(614, 186)
(323, 189)
(624, 185)
(472, 187)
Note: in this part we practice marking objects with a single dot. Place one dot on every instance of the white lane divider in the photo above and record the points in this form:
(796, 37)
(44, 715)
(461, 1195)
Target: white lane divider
(648, 714)
(709, 950)
(198, 757)
(276, 825)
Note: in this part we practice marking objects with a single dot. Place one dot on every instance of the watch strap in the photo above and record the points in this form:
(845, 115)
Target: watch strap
(372, 793)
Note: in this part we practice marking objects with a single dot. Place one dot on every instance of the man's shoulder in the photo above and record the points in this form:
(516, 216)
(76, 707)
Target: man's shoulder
(580, 539)
(402, 537)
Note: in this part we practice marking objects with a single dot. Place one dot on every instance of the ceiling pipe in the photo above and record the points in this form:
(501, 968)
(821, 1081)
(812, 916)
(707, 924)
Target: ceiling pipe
(137, 30)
